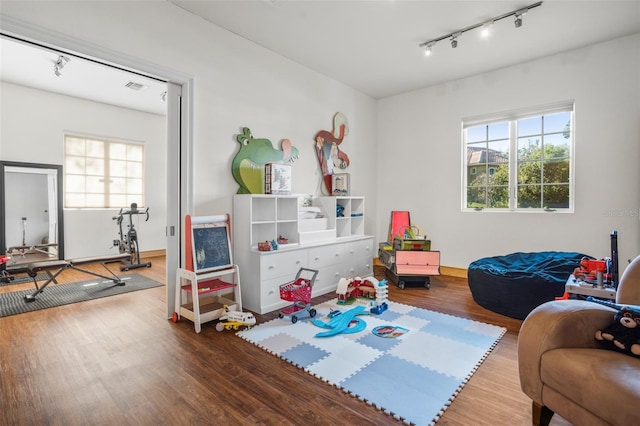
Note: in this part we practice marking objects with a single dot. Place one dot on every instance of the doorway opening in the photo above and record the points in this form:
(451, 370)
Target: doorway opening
(178, 123)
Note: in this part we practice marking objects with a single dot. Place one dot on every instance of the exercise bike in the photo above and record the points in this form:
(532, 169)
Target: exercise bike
(128, 242)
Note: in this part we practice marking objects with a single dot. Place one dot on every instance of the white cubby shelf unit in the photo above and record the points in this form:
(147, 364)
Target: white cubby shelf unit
(317, 237)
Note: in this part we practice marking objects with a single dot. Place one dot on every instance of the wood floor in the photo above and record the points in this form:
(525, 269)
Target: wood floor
(119, 361)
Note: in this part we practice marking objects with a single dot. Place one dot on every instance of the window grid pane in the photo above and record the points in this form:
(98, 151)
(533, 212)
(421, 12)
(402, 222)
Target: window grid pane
(487, 166)
(103, 173)
(541, 154)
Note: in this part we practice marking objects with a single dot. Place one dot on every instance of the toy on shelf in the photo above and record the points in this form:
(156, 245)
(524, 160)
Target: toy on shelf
(298, 291)
(209, 284)
(282, 240)
(233, 320)
(264, 246)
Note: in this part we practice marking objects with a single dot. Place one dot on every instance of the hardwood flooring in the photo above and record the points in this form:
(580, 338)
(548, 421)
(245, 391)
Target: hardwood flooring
(119, 361)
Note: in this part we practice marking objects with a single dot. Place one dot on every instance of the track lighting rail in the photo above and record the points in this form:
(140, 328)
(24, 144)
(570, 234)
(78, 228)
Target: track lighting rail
(454, 35)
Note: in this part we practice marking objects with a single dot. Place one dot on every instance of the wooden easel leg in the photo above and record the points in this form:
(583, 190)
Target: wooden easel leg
(540, 415)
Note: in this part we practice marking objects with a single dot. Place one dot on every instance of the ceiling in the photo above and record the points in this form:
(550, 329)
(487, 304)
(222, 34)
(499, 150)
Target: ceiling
(373, 45)
(33, 66)
(369, 45)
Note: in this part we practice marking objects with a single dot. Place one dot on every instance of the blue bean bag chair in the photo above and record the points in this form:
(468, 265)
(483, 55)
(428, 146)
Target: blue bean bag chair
(515, 284)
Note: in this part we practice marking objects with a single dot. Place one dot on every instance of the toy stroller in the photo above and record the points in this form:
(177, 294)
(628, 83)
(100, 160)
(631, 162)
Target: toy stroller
(298, 291)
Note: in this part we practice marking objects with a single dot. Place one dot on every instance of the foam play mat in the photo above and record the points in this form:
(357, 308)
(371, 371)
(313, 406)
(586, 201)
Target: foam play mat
(413, 376)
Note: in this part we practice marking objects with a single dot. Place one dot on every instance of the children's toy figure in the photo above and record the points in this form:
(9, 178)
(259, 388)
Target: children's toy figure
(624, 333)
(327, 148)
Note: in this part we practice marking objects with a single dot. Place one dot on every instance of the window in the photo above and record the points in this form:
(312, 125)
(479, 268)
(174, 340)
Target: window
(101, 173)
(520, 160)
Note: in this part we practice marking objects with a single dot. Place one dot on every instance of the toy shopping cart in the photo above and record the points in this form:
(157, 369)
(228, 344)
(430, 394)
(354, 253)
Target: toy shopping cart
(298, 291)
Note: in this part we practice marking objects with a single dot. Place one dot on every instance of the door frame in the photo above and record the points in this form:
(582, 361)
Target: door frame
(179, 127)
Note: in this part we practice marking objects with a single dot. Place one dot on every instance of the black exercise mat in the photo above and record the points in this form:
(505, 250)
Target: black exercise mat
(21, 279)
(63, 294)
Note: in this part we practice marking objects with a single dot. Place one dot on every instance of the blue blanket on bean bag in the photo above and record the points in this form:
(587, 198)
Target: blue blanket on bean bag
(515, 284)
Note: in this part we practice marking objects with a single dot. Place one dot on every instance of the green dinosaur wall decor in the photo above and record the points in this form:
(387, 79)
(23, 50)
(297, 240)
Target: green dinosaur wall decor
(248, 164)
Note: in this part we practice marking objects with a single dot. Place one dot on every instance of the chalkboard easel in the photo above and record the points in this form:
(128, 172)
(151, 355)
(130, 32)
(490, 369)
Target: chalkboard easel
(208, 243)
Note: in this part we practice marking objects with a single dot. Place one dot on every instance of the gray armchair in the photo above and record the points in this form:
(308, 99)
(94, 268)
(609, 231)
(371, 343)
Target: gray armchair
(563, 369)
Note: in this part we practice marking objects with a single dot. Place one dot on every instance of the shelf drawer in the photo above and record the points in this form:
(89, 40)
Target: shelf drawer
(362, 267)
(282, 264)
(322, 256)
(359, 249)
(270, 294)
(327, 280)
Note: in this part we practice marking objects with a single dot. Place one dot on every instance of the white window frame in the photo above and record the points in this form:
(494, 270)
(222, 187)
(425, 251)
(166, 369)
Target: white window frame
(512, 118)
(107, 178)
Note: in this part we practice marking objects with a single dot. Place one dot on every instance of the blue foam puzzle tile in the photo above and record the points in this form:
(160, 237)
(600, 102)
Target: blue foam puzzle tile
(304, 355)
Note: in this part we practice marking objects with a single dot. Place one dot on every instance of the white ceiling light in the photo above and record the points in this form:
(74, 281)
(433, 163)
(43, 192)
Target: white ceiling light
(486, 29)
(429, 48)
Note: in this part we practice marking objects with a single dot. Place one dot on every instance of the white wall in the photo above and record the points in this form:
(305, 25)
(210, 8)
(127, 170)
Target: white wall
(236, 84)
(422, 132)
(33, 126)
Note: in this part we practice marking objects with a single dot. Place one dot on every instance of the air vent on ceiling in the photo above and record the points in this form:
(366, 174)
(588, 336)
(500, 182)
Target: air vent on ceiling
(135, 86)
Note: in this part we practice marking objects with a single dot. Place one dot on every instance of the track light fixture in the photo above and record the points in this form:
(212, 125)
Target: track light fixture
(59, 64)
(428, 48)
(486, 28)
(454, 40)
(518, 18)
(453, 36)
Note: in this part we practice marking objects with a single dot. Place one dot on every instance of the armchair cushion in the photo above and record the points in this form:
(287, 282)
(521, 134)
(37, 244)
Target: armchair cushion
(595, 379)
